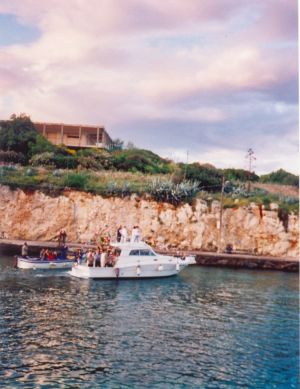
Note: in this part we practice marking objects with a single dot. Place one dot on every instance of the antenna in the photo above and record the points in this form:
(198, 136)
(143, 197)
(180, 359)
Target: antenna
(187, 161)
(250, 157)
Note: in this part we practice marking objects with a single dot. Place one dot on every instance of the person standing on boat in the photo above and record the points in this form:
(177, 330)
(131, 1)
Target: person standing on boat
(135, 234)
(63, 252)
(43, 254)
(124, 235)
(90, 258)
(119, 234)
(98, 257)
(64, 237)
(25, 250)
(103, 258)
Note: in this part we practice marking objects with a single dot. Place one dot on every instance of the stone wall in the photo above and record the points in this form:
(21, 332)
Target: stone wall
(37, 216)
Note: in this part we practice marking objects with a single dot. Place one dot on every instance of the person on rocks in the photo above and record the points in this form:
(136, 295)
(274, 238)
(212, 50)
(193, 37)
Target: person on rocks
(24, 251)
(62, 238)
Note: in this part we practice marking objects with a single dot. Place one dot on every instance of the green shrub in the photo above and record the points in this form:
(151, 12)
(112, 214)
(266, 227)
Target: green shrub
(138, 160)
(280, 177)
(12, 157)
(94, 159)
(208, 177)
(64, 162)
(76, 180)
(239, 175)
(17, 134)
(51, 159)
(30, 172)
(43, 159)
(41, 145)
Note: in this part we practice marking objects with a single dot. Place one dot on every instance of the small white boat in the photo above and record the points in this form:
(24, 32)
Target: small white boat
(37, 263)
(136, 260)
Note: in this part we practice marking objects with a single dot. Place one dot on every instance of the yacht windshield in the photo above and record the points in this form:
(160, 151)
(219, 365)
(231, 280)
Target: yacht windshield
(144, 252)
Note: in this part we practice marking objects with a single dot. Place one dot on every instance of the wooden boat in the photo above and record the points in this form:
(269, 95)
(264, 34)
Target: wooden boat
(37, 263)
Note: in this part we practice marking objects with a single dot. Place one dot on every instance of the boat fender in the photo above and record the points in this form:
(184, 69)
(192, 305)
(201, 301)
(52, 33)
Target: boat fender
(138, 270)
(117, 271)
(160, 268)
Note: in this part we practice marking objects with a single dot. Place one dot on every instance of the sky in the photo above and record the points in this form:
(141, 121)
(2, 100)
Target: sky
(194, 80)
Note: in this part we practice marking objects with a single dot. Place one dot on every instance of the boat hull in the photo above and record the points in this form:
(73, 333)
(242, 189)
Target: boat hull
(143, 271)
(36, 263)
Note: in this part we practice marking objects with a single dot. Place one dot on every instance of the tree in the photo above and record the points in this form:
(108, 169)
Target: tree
(118, 144)
(17, 134)
(130, 146)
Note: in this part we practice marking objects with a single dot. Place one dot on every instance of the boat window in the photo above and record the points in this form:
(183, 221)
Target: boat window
(134, 252)
(146, 252)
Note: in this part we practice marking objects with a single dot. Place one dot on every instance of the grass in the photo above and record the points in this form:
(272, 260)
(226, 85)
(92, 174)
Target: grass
(120, 184)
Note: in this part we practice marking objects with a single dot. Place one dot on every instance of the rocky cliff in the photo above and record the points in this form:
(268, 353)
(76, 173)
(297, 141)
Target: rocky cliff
(37, 216)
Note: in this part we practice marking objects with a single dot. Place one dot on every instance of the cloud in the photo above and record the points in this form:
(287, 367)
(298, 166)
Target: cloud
(203, 75)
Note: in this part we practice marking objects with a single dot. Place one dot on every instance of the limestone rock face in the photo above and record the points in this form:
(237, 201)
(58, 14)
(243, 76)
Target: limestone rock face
(36, 216)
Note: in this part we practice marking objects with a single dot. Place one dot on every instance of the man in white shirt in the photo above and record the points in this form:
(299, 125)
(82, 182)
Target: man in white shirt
(135, 234)
(124, 234)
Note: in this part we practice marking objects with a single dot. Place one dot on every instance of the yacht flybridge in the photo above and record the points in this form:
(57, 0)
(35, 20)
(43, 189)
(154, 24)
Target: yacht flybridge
(134, 260)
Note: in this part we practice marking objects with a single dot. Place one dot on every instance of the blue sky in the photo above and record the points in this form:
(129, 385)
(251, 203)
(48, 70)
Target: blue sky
(13, 32)
(210, 78)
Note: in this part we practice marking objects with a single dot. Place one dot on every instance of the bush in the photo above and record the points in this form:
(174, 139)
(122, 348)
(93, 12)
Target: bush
(208, 177)
(175, 194)
(7, 169)
(94, 159)
(43, 159)
(30, 172)
(63, 162)
(58, 161)
(41, 145)
(137, 160)
(239, 175)
(12, 157)
(280, 177)
(76, 180)
(17, 134)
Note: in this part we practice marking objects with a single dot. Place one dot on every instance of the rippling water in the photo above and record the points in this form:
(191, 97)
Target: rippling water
(206, 328)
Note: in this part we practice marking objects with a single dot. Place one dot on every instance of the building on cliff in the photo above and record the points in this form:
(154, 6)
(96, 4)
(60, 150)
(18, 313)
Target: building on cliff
(75, 135)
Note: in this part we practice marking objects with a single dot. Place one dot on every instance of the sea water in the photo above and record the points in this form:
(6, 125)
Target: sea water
(205, 328)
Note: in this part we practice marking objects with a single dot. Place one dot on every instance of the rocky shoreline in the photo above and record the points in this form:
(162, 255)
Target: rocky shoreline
(33, 215)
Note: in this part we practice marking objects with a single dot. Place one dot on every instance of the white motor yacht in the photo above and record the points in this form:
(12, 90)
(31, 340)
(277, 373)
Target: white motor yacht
(134, 260)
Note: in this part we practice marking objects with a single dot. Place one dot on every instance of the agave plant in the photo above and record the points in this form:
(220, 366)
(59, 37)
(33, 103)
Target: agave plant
(112, 188)
(173, 193)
